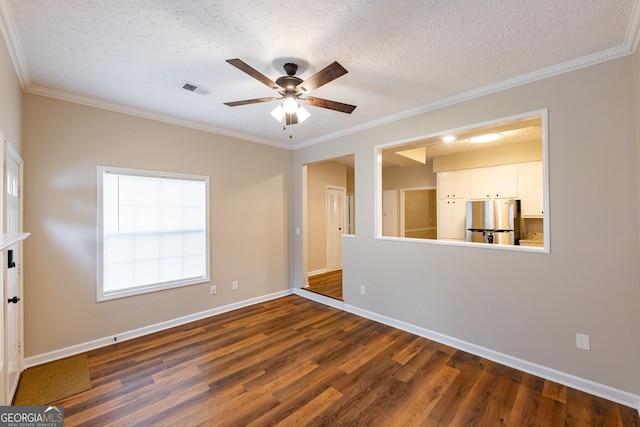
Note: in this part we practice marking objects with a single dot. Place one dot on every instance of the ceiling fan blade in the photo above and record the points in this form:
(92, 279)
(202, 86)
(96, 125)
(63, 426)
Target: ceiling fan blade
(250, 101)
(243, 66)
(332, 105)
(322, 77)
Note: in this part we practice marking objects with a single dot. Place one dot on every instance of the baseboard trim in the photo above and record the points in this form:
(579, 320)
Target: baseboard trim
(588, 386)
(317, 272)
(124, 336)
(331, 302)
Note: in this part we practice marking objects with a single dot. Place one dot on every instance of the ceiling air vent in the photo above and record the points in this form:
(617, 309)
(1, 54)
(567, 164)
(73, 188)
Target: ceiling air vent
(195, 88)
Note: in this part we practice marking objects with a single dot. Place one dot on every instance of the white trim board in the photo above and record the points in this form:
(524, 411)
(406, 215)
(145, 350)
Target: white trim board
(317, 272)
(601, 390)
(588, 386)
(124, 336)
(604, 391)
(331, 302)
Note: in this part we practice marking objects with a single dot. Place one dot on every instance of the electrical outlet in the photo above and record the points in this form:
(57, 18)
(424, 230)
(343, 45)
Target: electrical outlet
(213, 290)
(362, 290)
(583, 342)
(235, 284)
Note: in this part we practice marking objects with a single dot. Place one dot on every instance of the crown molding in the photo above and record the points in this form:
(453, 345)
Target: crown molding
(586, 61)
(118, 108)
(8, 30)
(629, 46)
(632, 37)
(544, 73)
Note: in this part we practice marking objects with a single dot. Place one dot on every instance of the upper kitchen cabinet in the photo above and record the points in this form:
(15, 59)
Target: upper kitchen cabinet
(453, 184)
(497, 182)
(530, 189)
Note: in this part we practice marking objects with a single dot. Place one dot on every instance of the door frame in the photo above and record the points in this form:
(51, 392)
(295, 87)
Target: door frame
(8, 152)
(3, 297)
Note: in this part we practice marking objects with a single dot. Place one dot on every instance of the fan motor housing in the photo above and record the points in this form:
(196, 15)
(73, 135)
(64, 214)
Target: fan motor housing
(288, 83)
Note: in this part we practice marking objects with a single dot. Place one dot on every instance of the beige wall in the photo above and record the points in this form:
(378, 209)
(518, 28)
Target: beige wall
(351, 180)
(397, 177)
(62, 144)
(508, 154)
(10, 99)
(534, 306)
(319, 176)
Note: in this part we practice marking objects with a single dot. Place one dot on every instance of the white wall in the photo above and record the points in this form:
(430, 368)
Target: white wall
(526, 305)
(62, 144)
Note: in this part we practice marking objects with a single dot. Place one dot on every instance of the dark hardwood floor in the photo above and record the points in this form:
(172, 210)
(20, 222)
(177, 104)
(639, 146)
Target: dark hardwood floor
(294, 362)
(327, 284)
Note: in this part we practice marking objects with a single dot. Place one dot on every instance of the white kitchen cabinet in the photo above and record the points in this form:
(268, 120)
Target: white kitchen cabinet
(496, 182)
(530, 190)
(451, 219)
(453, 184)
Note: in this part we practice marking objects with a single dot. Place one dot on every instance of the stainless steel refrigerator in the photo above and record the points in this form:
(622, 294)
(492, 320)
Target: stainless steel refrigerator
(493, 221)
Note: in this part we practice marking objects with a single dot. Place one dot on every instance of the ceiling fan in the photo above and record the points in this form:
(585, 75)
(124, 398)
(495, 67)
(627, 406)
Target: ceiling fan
(292, 88)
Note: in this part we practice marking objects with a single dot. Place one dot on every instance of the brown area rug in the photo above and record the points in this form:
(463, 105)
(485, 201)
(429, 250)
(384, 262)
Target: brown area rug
(48, 383)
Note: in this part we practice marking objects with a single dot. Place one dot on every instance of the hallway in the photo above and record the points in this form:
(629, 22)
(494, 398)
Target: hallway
(327, 284)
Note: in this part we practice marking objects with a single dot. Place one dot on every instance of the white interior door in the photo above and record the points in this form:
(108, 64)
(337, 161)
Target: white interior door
(3, 297)
(12, 259)
(335, 227)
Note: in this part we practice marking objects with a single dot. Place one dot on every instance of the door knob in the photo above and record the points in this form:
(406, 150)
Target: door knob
(14, 300)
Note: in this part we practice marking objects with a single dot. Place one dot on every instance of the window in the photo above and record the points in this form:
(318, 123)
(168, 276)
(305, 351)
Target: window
(494, 164)
(153, 231)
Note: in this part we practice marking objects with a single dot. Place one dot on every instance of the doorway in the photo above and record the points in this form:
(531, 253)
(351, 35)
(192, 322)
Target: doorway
(328, 214)
(419, 213)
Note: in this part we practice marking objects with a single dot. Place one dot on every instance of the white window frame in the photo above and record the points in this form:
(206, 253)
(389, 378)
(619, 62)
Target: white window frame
(101, 295)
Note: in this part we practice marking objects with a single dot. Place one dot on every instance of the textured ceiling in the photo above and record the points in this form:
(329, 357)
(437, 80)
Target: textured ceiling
(403, 56)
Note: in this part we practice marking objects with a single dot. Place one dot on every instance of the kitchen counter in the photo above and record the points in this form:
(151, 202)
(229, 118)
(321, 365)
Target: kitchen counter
(535, 243)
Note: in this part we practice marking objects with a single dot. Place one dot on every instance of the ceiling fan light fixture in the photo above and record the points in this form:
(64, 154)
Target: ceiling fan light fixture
(291, 88)
(302, 114)
(290, 104)
(278, 113)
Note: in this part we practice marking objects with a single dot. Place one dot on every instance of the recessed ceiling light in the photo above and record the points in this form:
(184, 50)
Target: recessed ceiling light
(449, 138)
(486, 138)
